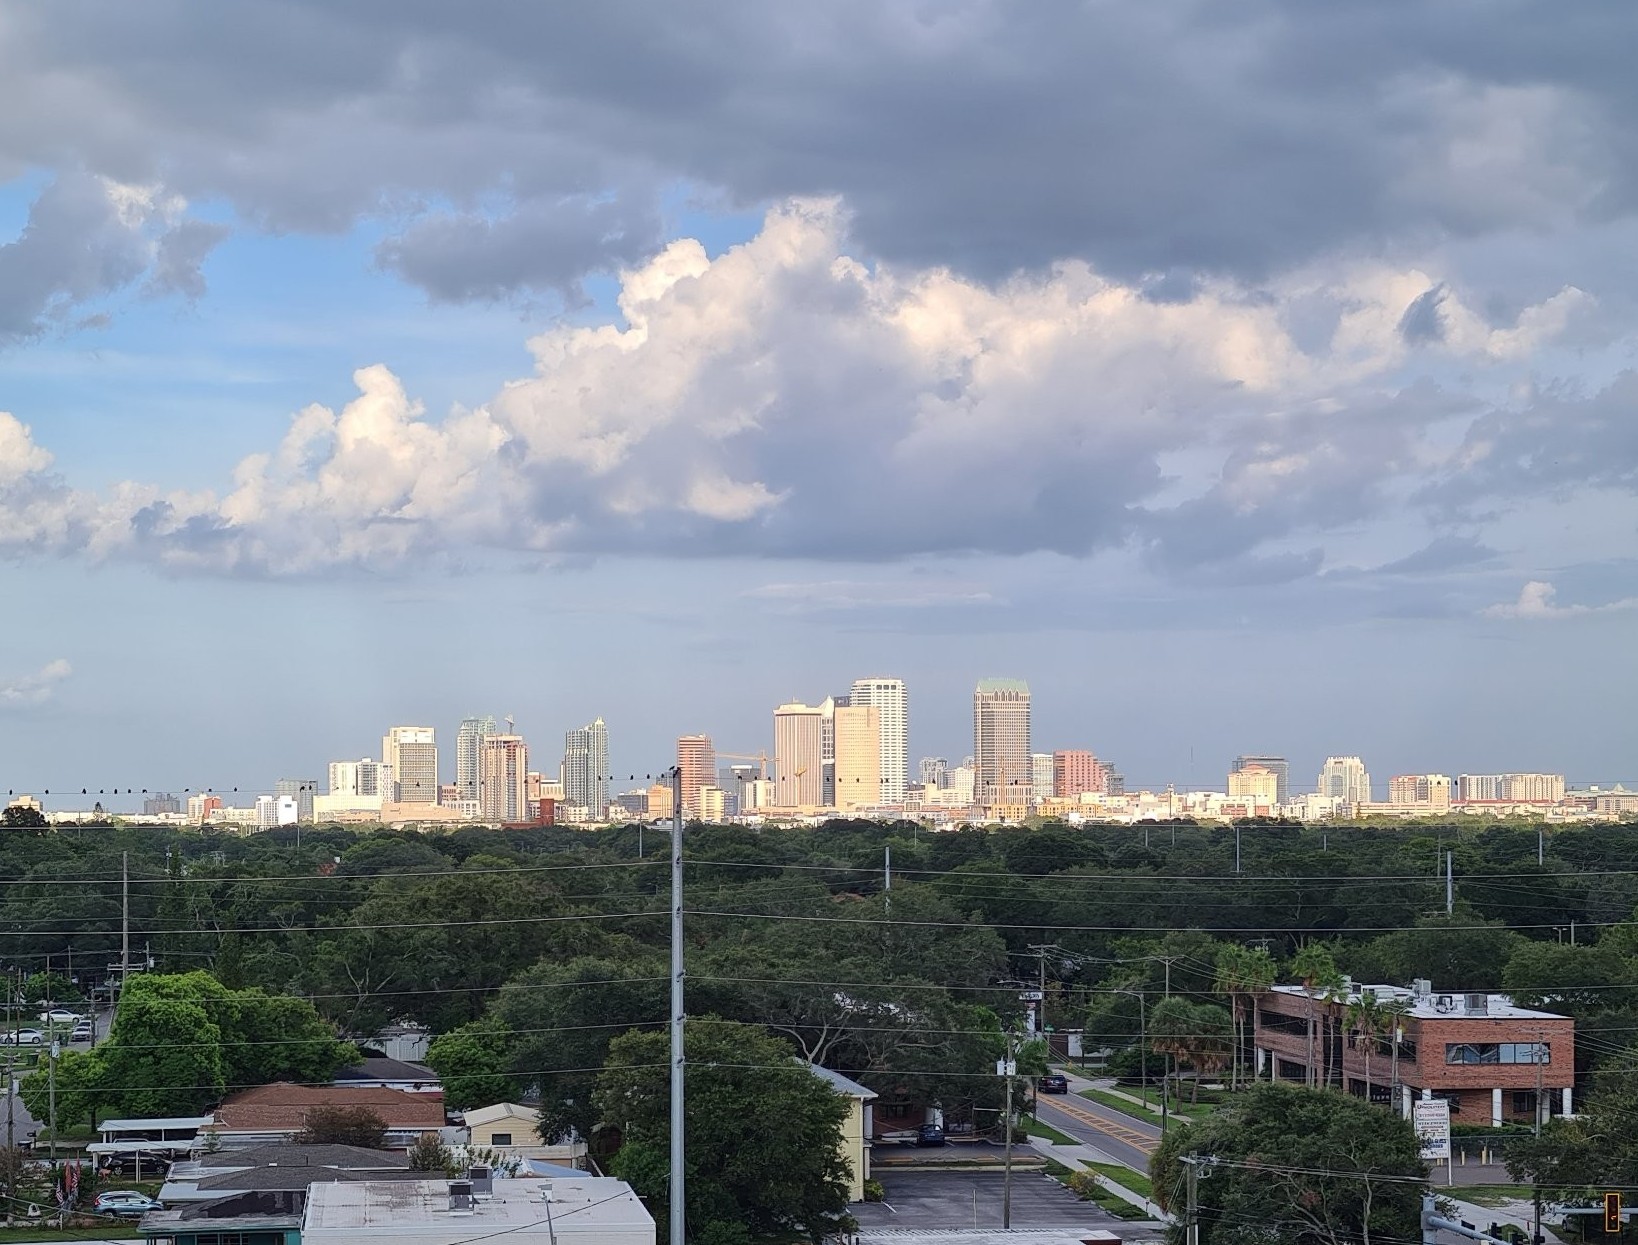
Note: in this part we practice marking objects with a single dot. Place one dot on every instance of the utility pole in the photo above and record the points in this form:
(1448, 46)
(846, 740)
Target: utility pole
(1541, 847)
(678, 1187)
(51, 1083)
(1007, 1068)
(125, 920)
(1450, 883)
(887, 879)
(1191, 1181)
(1237, 849)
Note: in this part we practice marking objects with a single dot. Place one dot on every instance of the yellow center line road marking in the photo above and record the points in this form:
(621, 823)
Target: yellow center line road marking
(1140, 1141)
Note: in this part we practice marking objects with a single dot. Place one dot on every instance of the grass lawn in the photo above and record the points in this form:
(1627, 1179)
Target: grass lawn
(1035, 1128)
(1151, 1115)
(1137, 1182)
(1491, 1194)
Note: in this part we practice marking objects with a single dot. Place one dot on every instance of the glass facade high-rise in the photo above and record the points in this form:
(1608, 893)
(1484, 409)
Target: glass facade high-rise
(468, 740)
(1001, 742)
(586, 769)
(892, 704)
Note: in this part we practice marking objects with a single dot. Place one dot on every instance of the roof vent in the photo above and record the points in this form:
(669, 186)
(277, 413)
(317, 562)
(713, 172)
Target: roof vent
(1478, 1005)
(460, 1197)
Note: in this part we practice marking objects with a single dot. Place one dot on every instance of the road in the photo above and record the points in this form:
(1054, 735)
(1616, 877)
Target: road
(1122, 1138)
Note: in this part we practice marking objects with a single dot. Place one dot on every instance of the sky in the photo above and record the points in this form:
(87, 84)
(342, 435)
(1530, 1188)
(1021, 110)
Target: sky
(1252, 378)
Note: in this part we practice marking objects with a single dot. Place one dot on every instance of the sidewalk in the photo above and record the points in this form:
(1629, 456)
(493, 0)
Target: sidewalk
(1079, 1157)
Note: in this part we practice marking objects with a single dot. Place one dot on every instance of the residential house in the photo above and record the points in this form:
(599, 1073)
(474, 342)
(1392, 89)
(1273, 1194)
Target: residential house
(269, 1114)
(857, 1128)
(226, 1173)
(271, 1218)
(378, 1072)
(510, 1128)
(1493, 1061)
(136, 1140)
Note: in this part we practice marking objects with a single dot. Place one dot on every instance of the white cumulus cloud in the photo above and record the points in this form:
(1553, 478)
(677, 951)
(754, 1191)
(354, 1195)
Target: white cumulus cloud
(36, 688)
(1538, 601)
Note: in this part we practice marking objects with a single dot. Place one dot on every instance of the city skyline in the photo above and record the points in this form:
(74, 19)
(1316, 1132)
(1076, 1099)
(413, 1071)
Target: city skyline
(1320, 445)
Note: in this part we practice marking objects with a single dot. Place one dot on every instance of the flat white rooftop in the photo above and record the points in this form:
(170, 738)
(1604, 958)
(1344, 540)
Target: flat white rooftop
(598, 1208)
(1441, 1004)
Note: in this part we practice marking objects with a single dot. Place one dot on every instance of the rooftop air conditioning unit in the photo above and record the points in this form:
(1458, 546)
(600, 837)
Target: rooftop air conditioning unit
(1421, 987)
(460, 1197)
(1445, 1003)
(1478, 1004)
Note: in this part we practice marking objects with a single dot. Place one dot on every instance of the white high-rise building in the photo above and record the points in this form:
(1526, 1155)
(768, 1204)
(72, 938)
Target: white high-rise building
(586, 769)
(366, 778)
(412, 751)
(892, 704)
(1345, 778)
(468, 740)
(1040, 764)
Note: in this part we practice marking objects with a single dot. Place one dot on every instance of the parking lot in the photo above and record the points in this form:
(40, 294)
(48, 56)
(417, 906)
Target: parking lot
(969, 1199)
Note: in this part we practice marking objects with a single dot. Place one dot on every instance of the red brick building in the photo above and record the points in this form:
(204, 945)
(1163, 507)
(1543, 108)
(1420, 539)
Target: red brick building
(1493, 1061)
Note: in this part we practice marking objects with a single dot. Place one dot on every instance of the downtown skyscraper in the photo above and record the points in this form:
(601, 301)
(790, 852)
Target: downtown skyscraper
(586, 768)
(1001, 742)
(892, 704)
(411, 752)
(468, 743)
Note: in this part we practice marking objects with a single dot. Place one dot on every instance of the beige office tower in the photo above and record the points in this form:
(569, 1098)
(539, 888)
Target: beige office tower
(503, 778)
(1005, 773)
(697, 759)
(892, 704)
(413, 754)
(858, 756)
(660, 804)
(799, 751)
(1256, 783)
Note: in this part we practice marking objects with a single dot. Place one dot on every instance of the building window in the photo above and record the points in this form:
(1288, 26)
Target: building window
(1277, 1022)
(1499, 1052)
(1524, 1102)
(1292, 1071)
(1453, 1097)
(500, 1139)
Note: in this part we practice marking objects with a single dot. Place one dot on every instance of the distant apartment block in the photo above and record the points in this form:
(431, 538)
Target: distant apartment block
(1345, 779)
(1257, 785)
(1430, 791)
(1509, 788)
(412, 754)
(161, 804)
(1077, 772)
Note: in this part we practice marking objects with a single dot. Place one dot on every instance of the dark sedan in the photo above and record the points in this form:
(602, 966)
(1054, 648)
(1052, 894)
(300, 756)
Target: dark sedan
(1052, 1083)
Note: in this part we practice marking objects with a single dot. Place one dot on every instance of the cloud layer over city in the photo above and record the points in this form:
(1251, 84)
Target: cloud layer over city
(1323, 313)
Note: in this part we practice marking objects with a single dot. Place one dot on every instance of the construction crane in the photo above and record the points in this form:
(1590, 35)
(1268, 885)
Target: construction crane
(760, 757)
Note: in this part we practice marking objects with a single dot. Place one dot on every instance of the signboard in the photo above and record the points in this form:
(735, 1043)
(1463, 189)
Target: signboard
(1076, 1050)
(1432, 1119)
(1006, 1067)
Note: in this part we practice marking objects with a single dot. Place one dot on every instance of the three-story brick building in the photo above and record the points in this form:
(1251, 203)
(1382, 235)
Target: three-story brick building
(1493, 1061)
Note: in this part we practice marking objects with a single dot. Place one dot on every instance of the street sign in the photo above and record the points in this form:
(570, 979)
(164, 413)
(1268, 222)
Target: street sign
(1006, 1067)
(1431, 1117)
(1032, 996)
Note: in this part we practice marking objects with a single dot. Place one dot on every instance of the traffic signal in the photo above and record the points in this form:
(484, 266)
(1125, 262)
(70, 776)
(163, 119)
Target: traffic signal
(1612, 1214)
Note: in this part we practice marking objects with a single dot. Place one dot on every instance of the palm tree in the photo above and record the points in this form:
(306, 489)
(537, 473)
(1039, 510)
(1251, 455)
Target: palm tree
(1367, 1018)
(1394, 1012)
(1316, 969)
(1209, 1049)
(1172, 1029)
(1230, 980)
(1258, 973)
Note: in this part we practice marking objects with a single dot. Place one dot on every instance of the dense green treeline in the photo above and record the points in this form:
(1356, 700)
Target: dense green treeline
(531, 950)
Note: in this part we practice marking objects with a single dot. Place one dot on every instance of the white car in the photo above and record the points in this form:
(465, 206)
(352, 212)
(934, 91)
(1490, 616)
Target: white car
(25, 1037)
(61, 1016)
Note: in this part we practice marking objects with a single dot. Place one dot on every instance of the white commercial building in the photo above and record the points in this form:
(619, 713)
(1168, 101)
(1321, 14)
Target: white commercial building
(591, 1210)
(412, 752)
(1347, 779)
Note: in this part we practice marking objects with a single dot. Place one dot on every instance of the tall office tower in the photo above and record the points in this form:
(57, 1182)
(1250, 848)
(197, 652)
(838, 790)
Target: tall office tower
(1279, 766)
(302, 791)
(1001, 752)
(413, 754)
(858, 757)
(697, 759)
(1256, 783)
(892, 704)
(503, 779)
(1040, 776)
(586, 768)
(1423, 790)
(935, 772)
(799, 732)
(827, 749)
(1345, 778)
(468, 740)
(1076, 771)
(160, 804)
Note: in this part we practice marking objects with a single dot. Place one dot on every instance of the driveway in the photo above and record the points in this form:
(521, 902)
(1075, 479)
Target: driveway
(969, 1199)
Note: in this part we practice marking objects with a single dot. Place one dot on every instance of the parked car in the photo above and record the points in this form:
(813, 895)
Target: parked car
(60, 1016)
(126, 1203)
(930, 1135)
(1052, 1083)
(82, 1032)
(26, 1037)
